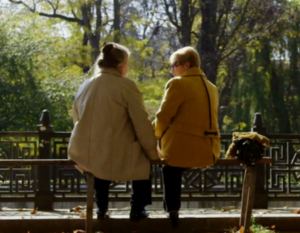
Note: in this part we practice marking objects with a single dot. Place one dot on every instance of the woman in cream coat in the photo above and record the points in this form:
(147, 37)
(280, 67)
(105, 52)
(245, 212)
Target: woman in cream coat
(186, 125)
(112, 136)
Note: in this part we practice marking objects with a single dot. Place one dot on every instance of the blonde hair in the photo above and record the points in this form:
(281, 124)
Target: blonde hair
(186, 54)
(111, 56)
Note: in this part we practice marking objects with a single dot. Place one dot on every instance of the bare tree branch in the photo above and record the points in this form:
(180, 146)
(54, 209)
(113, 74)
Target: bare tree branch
(222, 34)
(194, 13)
(66, 18)
(239, 24)
(85, 17)
(53, 15)
(24, 4)
(51, 4)
(72, 9)
(174, 20)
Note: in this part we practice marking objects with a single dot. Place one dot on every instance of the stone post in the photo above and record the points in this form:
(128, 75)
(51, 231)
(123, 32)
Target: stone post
(44, 197)
(261, 191)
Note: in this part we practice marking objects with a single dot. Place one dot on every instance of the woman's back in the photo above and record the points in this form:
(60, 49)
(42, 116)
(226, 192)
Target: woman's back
(112, 129)
(102, 108)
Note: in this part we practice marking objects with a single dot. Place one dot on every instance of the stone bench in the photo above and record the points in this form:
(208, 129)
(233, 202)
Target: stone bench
(248, 191)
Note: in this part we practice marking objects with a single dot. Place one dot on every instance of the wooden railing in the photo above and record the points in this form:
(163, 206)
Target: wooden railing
(248, 192)
(278, 181)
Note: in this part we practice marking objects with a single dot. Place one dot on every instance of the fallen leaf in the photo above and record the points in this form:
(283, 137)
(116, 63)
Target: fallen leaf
(260, 214)
(226, 208)
(242, 229)
(77, 209)
(20, 209)
(79, 231)
(272, 227)
(83, 215)
(296, 211)
(33, 211)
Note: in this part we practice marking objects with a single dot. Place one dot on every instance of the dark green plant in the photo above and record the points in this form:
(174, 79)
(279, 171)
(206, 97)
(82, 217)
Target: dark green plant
(21, 97)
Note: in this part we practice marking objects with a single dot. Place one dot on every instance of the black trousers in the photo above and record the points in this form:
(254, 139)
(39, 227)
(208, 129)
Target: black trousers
(140, 193)
(172, 177)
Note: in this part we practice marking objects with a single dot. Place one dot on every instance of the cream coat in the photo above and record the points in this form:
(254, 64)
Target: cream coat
(187, 131)
(112, 136)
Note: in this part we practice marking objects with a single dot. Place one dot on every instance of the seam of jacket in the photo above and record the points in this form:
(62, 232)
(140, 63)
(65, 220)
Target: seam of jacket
(132, 85)
(208, 100)
(120, 83)
(110, 114)
(183, 92)
(179, 80)
(183, 87)
(93, 102)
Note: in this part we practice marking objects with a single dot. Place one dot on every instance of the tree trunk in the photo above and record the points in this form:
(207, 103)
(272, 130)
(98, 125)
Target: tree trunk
(187, 14)
(207, 43)
(116, 21)
(186, 23)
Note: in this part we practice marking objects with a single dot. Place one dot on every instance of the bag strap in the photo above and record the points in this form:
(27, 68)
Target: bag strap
(209, 104)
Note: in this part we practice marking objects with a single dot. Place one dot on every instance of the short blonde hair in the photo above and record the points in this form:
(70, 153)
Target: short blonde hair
(186, 54)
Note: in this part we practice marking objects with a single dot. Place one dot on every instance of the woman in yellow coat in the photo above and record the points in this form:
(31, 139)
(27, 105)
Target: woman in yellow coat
(186, 125)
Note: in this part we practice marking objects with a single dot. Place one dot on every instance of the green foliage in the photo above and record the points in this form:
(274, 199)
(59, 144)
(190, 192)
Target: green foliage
(257, 228)
(21, 94)
(21, 99)
(152, 91)
(257, 57)
(254, 228)
(268, 79)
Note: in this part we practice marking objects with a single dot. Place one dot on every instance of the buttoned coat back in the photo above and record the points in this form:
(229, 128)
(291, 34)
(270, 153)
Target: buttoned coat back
(187, 122)
(112, 136)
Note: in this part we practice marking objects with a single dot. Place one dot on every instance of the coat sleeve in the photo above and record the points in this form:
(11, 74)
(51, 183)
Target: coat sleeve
(141, 123)
(170, 104)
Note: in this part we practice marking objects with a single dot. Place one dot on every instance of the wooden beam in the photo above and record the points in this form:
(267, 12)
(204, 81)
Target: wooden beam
(65, 162)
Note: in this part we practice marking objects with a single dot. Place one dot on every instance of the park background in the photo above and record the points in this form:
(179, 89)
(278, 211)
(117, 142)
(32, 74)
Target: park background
(249, 48)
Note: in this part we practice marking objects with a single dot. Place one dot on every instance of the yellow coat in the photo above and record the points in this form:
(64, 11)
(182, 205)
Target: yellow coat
(186, 124)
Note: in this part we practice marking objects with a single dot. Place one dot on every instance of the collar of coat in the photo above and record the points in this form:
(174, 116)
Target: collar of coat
(194, 71)
(110, 71)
